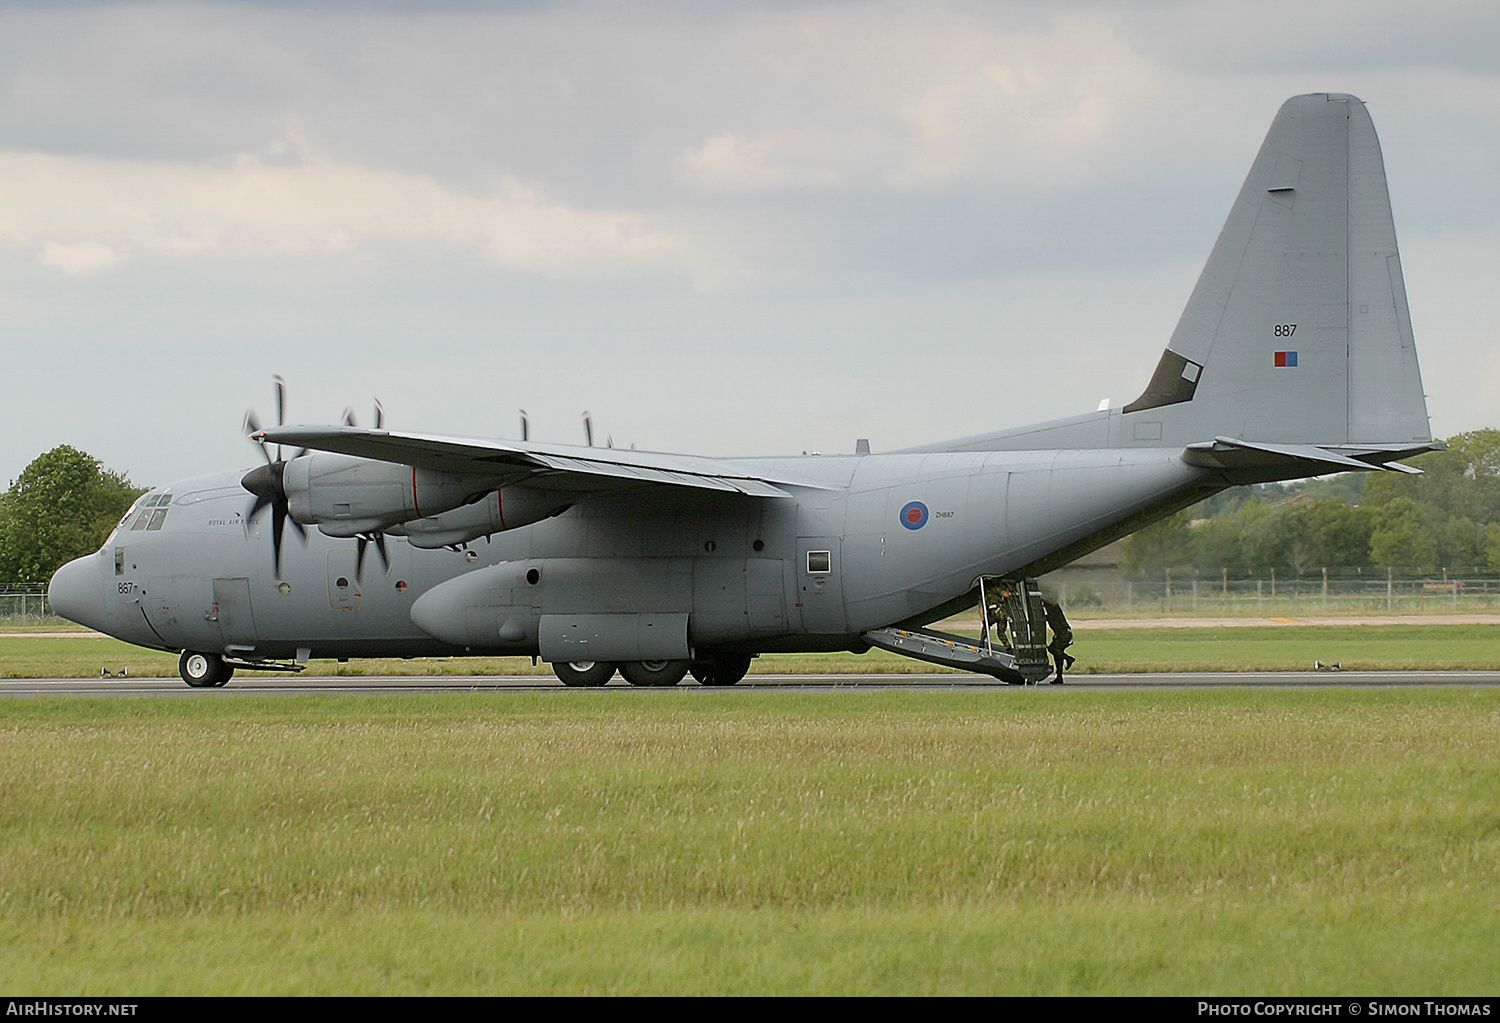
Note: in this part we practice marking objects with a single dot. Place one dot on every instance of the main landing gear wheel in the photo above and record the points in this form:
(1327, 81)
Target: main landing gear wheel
(720, 671)
(654, 673)
(203, 671)
(583, 673)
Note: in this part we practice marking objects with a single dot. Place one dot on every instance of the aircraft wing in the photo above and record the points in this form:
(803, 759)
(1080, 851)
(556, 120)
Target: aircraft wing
(550, 466)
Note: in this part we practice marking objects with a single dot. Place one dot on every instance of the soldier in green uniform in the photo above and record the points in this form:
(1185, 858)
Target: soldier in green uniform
(1062, 637)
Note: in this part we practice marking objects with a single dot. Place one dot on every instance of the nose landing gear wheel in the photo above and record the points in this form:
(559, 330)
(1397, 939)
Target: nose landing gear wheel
(203, 671)
(587, 674)
(654, 673)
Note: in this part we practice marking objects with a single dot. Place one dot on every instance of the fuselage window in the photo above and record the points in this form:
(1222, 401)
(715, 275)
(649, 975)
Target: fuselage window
(819, 562)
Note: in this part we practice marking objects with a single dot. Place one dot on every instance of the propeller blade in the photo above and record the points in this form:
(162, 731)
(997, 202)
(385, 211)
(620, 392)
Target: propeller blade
(363, 542)
(280, 407)
(256, 507)
(278, 524)
(261, 503)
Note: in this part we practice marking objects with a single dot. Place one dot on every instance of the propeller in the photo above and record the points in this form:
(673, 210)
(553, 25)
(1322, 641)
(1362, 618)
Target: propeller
(267, 482)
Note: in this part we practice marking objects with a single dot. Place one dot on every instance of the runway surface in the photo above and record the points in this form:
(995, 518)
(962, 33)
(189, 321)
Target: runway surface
(246, 684)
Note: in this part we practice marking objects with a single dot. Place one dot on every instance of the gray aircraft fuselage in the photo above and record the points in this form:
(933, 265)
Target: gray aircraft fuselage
(872, 540)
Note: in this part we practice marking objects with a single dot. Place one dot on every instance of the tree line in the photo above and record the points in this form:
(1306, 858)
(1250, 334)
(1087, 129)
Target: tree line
(61, 507)
(1449, 516)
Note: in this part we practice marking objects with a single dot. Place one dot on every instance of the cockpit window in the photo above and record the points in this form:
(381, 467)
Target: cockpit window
(149, 514)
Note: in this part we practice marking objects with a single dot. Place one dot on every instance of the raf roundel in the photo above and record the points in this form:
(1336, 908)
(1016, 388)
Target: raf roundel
(914, 515)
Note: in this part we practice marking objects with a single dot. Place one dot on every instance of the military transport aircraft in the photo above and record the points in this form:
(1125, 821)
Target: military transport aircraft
(1294, 357)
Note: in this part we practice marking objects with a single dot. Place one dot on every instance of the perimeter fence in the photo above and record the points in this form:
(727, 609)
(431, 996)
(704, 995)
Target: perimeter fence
(1319, 591)
(25, 604)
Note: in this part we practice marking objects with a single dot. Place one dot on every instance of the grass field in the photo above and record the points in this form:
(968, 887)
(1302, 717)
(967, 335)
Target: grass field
(1016, 841)
(1373, 647)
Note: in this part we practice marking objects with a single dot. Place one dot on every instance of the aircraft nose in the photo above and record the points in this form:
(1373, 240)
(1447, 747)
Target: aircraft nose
(77, 593)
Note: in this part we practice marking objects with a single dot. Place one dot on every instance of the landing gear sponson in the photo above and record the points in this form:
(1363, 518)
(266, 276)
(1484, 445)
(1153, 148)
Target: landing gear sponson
(711, 671)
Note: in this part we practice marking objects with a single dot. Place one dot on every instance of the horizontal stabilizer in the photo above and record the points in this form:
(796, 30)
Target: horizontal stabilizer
(1231, 453)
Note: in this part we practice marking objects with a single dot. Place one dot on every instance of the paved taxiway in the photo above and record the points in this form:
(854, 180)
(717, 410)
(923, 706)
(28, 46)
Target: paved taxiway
(250, 684)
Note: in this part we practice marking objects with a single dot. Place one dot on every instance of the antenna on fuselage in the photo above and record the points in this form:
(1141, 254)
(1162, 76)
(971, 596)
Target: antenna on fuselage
(525, 426)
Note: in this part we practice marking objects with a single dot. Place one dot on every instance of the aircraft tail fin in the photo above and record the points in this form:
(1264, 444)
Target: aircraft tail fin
(1298, 330)
(1297, 333)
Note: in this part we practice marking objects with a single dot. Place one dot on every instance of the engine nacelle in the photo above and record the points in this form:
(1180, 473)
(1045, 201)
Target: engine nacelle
(499, 510)
(345, 496)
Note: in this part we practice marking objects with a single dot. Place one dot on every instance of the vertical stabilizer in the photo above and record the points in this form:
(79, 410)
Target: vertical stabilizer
(1298, 330)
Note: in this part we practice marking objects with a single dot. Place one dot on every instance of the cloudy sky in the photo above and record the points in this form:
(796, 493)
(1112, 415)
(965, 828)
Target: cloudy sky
(737, 228)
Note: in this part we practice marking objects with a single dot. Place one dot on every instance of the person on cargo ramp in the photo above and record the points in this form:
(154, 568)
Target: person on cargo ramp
(1062, 637)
